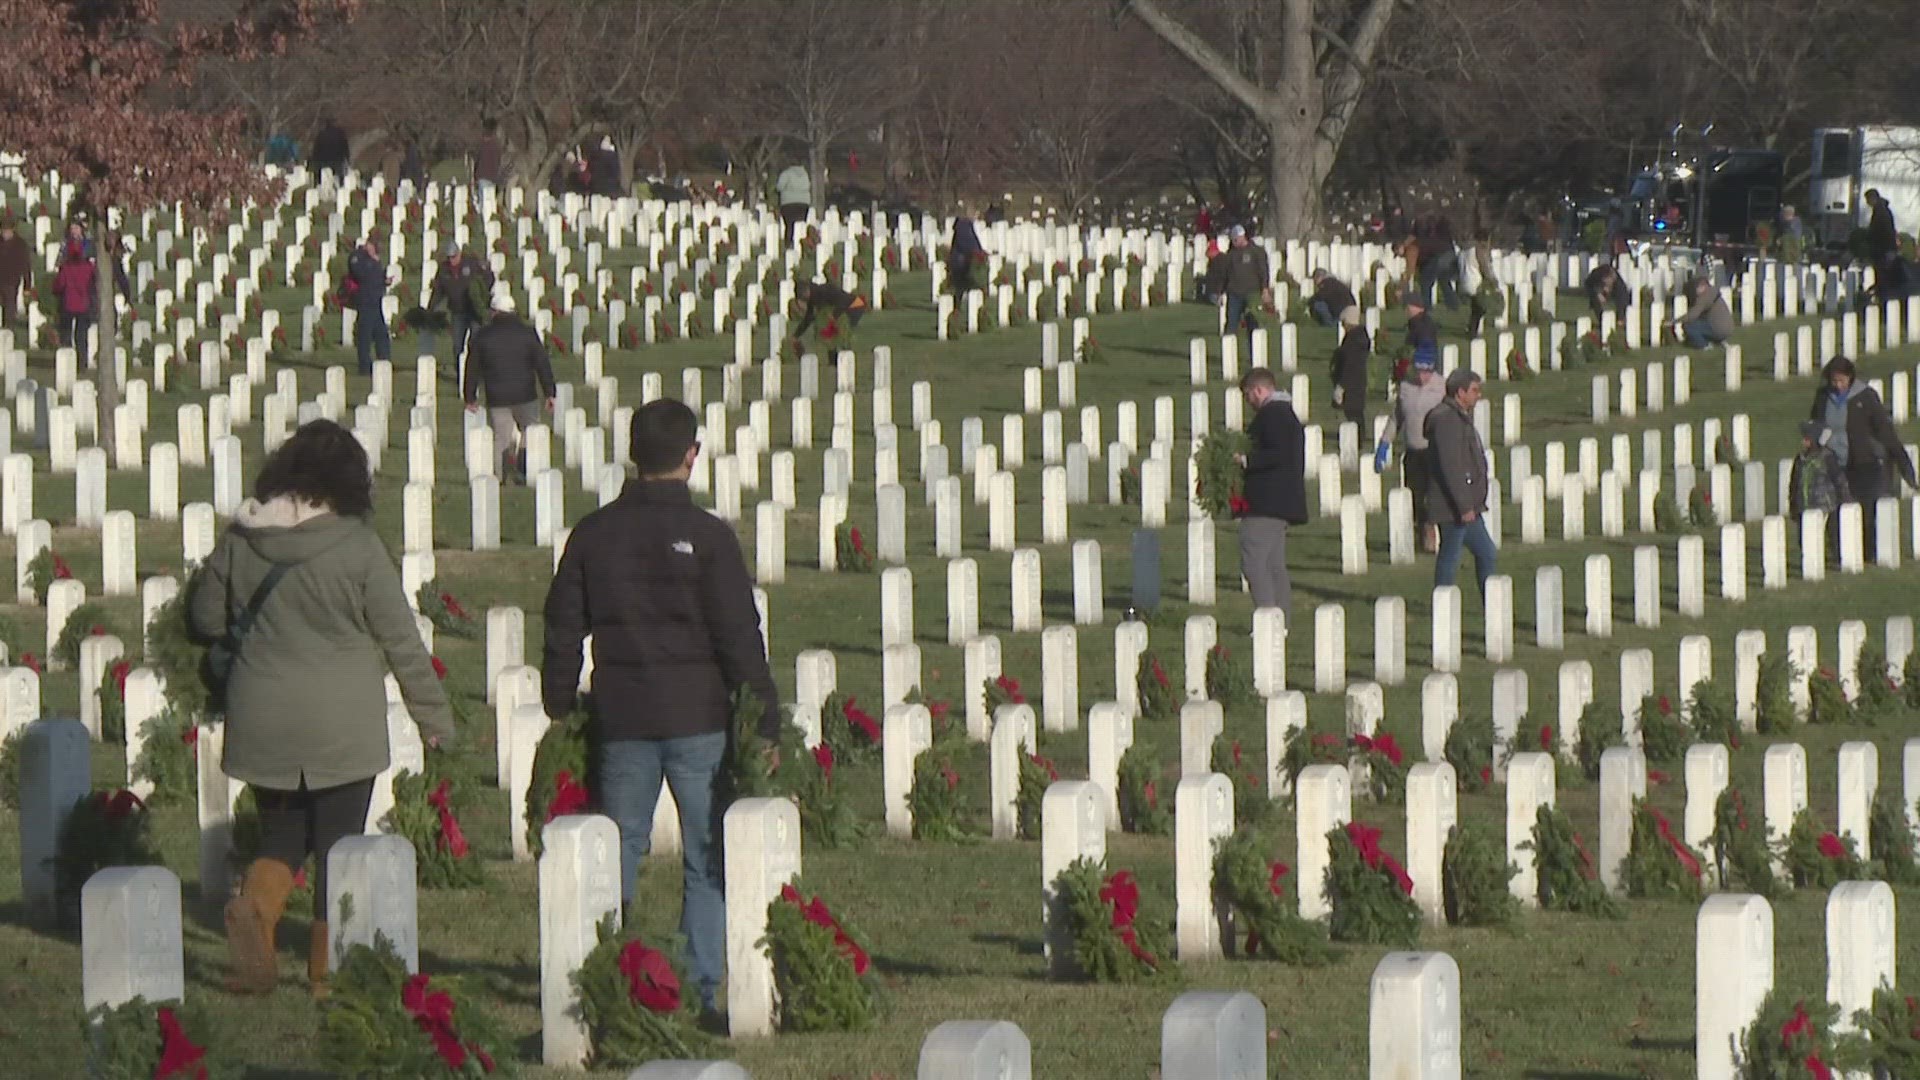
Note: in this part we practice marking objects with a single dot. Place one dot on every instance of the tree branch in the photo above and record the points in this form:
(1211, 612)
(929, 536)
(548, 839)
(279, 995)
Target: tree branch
(1202, 55)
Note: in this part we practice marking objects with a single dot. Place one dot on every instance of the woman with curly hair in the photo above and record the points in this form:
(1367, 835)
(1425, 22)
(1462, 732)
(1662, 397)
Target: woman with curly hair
(311, 603)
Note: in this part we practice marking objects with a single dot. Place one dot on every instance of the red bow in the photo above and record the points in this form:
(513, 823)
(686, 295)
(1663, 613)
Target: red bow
(859, 718)
(1367, 840)
(433, 1011)
(451, 838)
(120, 671)
(1011, 687)
(120, 804)
(1799, 1024)
(1053, 773)
(30, 662)
(815, 912)
(1122, 894)
(569, 796)
(453, 606)
(650, 978)
(952, 778)
(1236, 504)
(1159, 673)
(1546, 738)
(854, 537)
(1276, 871)
(61, 571)
(178, 1055)
(1832, 846)
(439, 669)
(1687, 858)
(823, 757)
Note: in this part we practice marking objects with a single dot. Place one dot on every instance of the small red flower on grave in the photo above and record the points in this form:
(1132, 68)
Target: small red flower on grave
(1666, 707)
(451, 839)
(569, 796)
(1486, 775)
(439, 669)
(1388, 746)
(120, 671)
(952, 778)
(1159, 673)
(1011, 687)
(1236, 504)
(1832, 847)
(1546, 738)
(178, 1054)
(859, 719)
(1276, 871)
(1655, 776)
(823, 757)
(650, 978)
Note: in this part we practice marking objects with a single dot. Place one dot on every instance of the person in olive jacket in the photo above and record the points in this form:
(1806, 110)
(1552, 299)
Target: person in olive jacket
(306, 699)
(661, 586)
(1457, 496)
(1861, 434)
(1275, 489)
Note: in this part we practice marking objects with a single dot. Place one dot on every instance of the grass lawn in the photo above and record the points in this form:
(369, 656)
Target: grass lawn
(955, 929)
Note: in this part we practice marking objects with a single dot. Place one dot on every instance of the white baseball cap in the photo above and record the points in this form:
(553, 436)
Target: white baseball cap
(503, 300)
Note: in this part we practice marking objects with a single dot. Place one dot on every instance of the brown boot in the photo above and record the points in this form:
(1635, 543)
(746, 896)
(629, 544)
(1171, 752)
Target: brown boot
(252, 918)
(317, 958)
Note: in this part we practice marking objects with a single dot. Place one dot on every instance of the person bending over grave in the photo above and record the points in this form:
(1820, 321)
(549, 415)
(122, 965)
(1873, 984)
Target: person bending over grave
(661, 586)
(1861, 434)
(1606, 291)
(1350, 367)
(1709, 321)
(1275, 489)
(509, 363)
(310, 607)
(1417, 397)
(838, 303)
(1457, 494)
(1331, 298)
(461, 289)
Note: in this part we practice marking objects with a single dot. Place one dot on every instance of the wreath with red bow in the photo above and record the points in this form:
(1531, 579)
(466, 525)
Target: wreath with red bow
(822, 974)
(1112, 942)
(632, 1000)
(423, 813)
(382, 1023)
(150, 1040)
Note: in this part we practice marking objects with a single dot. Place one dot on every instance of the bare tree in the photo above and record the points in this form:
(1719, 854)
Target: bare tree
(1323, 58)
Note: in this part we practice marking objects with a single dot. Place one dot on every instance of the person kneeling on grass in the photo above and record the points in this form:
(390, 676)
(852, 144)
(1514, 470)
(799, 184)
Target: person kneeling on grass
(838, 303)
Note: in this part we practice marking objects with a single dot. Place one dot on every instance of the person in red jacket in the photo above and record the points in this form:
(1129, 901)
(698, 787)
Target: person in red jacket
(73, 289)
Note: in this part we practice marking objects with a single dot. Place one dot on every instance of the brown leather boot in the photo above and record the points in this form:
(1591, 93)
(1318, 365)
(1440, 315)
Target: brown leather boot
(317, 958)
(251, 918)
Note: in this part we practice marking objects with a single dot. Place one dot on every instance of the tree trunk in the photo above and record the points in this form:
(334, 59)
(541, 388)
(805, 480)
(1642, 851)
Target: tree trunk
(817, 171)
(107, 374)
(1293, 176)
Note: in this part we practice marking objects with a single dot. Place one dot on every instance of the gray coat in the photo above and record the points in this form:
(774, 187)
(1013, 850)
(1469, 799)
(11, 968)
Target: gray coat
(1459, 465)
(307, 697)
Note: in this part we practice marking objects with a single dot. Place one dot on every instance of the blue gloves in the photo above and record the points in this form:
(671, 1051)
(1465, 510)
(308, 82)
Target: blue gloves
(1380, 453)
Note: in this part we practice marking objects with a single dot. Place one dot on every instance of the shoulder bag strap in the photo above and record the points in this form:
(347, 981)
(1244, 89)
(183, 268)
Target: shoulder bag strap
(244, 624)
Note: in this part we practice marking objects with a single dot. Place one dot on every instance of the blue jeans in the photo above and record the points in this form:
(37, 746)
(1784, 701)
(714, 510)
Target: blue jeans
(1323, 314)
(1700, 334)
(370, 338)
(1475, 538)
(462, 329)
(1240, 320)
(630, 775)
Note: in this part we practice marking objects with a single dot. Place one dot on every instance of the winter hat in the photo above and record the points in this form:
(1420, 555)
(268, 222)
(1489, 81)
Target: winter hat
(1424, 363)
(1813, 429)
(503, 300)
(1237, 232)
(449, 249)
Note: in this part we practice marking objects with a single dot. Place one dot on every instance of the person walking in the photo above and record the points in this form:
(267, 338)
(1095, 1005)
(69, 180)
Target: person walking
(1423, 334)
(365, 291)
(794, 188)
(1350, 367)
(16, 270)
(662, 588)
(1861, 435)
(1883, 236)
(507, 361)
(1457, 491)
(1275, 489)
(1709, 321)
(461, 288)
(487, 158)
(73, 288)
(604, 172)
(1243, 278)
(309, 598)
(962, 253)
(1416, 398)
(330, 150)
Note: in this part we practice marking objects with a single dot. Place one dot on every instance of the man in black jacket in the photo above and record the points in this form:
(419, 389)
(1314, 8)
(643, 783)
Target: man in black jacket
(1275, 490)
(509, 362)
(461, 287)
(1350, 367)
(663, 589)
(1330, 299)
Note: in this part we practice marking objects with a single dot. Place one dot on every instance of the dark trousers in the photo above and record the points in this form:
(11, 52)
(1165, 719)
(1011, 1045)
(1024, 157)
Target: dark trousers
(793, 214)
(73, 331)
(370, 339)
(296, 824)
(9, 303)
(1867, 483)
(462, 329)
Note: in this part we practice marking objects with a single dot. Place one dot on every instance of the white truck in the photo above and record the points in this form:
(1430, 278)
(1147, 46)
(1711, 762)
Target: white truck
(1849, 162)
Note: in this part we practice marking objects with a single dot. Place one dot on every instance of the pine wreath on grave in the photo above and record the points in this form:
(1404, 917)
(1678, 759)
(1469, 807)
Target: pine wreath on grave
(632, 1001)
(563, 769)
(1877, 696)
(1664, 736)
(1711, 711)
(1741, 855)
(850, 731)
(1566, 877)
(12, 748)
(1219, 478)
(423, 813)
(1469, 749)
(1369, 892)
(176, 654)
(850, 549)
(1257, 891)
(43, 570)
(823, 976)
(1659, 866)
(1475, 878)
(152, 1040)
(1037, 773)
(87, 620)
(1793, 1039)
(104, 828)
(1229, 681)
(445, 611)
(1387, 766)
(1773, 694)
(1158, 698)
(1306, 747)
(112, 695)
(1892, 1028)
(1891, 847)
(168, 759)
(1827, 700)
(380, 1023)
(1112, 941)
(1819, 859)
(1141, 808)
(941, 810)
(1250, 802)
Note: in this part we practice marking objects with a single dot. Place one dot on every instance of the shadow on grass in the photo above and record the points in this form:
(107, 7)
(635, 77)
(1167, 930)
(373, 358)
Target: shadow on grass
(1020, 943)
(1534, 1074)
(507, 981)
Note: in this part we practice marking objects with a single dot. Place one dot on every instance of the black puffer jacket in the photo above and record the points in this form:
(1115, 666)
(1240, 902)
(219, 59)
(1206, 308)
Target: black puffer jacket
(506, 358)
(662, 587)
(1276, 481)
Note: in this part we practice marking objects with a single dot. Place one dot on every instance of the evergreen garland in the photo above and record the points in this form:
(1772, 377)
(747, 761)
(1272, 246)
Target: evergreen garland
(1229, 681)
(851, 731)
(1159, 700)
(1891, 841)
(1036, 773)
(1469, 749)
(1599, 733)
(1658, 865)
(1305, 747)
(379, 1023)
(563, 774)
(423, 813)
(1741, 854)
(632, 1002)
(1476, 877)
(168, 759)
(1826, 699)
(88, 620)
(940, 809)
(176, 654)
(1892, 1028)
(142, 1040)
(1773, 694)
(1711, 710)
(1369, 892)
(1565, 876)
(1220, 479)
(1664, 737)
(1141, 809)
(822, 975)
(850, 550)
(1878, 695)
(1818, 859)
(445, 611)
(103, 829)
(1792, 1039)
(1111, 941)
(11, 750)
(1254, 890)
(112, 695)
